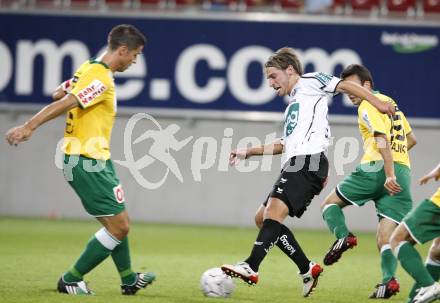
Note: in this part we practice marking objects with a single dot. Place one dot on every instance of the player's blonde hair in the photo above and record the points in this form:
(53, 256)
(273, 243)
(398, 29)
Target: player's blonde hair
(284, 57)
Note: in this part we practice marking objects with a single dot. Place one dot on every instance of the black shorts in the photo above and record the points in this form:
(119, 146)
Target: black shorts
(302, 178)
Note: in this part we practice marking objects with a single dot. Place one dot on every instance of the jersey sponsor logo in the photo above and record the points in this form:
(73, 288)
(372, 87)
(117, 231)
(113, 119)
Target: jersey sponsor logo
(272, 244)
(92, 91)
(398, 147)
(287, 245)
(291, 119)
(119, 193)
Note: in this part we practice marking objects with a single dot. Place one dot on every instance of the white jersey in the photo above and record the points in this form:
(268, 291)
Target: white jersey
(306, 128)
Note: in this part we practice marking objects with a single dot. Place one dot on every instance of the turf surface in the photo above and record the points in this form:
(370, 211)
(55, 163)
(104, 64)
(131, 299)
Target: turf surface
(34, 252)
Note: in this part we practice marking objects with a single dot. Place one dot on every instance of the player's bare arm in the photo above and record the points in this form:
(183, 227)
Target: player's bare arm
(274, 148)
(384, 147)
(433, 174)
(23, 132)
(349, 87)
(411, 140)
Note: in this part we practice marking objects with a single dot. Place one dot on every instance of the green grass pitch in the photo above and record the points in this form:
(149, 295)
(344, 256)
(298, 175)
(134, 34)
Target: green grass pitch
(34, 252)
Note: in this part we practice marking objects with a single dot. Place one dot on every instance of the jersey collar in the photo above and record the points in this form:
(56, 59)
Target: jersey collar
(94, 61)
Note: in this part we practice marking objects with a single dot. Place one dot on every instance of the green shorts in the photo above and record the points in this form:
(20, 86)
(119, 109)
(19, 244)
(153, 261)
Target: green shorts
(423, 222)
(366, 184)
(96, 184)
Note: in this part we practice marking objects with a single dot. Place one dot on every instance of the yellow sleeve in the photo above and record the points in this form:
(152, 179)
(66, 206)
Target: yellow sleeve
(90, 87)
(405, 123)
(374, 120)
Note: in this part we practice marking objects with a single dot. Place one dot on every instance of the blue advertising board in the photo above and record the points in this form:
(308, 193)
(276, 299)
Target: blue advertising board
(217, 64)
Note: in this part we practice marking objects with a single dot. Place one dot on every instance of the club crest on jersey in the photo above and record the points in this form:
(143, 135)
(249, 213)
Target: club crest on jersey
(119, 193)
(90, 92)
(291, 119)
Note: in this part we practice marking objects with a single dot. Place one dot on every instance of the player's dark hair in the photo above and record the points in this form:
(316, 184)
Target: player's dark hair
(359, 70)
(125, 34)
(284, 57)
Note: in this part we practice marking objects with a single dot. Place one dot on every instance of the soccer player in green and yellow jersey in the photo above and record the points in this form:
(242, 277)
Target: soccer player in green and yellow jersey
(89, 99)
(383, 176)
(421, 225)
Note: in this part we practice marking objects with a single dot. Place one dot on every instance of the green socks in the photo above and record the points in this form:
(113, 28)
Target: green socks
(121, 258)
(388, 263)
(97, 250)
(335, 219)
(412, 263)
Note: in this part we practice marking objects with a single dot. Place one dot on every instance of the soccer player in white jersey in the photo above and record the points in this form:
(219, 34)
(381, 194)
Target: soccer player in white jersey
(304, 143)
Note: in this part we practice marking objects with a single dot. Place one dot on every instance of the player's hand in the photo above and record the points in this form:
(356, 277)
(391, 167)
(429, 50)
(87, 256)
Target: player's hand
(237, 155)
(18, 134)
(392, 186)
(434, 174)
(387, 108)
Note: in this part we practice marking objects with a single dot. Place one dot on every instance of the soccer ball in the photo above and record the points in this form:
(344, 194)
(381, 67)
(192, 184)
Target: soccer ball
(216, 284)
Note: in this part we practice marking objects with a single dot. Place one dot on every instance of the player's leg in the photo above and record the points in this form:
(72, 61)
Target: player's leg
(105, 201)
(389, 285)
(332, 213)
(274, 213)
(287, 243)
(99, 247)
(420, 226)
(391, 210)
(432, 264)
(334, 217)
(356, 189)
(388, 262)
(98, 200)
(402, 244)
(131, 281)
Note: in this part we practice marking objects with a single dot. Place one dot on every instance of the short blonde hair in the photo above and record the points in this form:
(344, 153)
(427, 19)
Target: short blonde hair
(284, 57)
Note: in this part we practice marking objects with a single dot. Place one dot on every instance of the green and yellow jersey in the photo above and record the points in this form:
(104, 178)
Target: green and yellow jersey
(372, 121)
(89, 126)
(436, 197)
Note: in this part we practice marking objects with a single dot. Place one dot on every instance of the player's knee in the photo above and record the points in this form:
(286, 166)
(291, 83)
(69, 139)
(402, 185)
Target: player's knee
(332, 198)
(382, 240)
(258, 221)
(121, 231)
(397, 236)
(434, 251)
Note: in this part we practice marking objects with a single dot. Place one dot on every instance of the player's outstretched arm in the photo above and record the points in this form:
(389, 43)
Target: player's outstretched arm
(23, 132)
(273, 148)
(383, 145)
(433, 174)
(355, 89)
